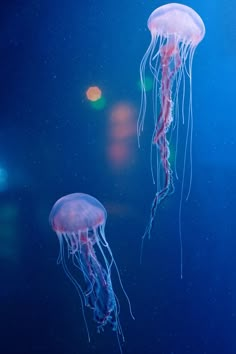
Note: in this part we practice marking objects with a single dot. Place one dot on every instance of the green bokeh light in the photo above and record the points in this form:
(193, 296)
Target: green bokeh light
(148, 83)
(99, 104)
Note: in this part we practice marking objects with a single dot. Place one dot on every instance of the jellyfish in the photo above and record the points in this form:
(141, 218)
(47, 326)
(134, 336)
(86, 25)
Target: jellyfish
(176, 30)
(79, 222)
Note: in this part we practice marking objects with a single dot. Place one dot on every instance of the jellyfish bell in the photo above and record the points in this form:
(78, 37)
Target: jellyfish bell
(177, 21)
(77, 213)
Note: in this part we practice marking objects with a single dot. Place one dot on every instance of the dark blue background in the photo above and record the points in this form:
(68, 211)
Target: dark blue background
(53, 143)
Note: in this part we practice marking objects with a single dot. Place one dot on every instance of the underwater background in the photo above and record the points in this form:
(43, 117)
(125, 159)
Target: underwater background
(55, 141)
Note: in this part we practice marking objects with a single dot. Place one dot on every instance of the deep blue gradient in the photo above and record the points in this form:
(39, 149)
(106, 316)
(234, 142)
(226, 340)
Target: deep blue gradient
(53, 143)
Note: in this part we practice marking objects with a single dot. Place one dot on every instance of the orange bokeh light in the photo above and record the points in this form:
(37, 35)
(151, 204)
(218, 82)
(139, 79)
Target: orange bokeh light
(121, 135)
(122, 121)
(93, 93)
(122, 112)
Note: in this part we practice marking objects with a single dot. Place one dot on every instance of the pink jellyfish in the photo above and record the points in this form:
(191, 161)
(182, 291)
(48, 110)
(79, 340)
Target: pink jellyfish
(79, 222)
(176, 30)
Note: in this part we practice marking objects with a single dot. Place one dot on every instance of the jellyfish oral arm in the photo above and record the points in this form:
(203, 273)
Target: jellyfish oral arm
(169, 56)
(170, 63)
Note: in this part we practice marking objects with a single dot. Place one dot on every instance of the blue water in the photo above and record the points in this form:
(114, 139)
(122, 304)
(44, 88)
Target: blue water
(53, 142)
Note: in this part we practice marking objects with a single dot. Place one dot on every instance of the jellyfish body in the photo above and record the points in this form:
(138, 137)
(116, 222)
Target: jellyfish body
(79, 222)
(176, 30)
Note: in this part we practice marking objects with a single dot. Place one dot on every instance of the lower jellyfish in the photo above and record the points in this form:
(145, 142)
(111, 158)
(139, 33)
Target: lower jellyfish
(79, 222)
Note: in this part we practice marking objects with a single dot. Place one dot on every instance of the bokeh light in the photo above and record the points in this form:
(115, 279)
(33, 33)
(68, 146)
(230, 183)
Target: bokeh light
(99, 104)
(93, 93)
(121, 135)
(148, 84)
(96, 99)
(122, 121)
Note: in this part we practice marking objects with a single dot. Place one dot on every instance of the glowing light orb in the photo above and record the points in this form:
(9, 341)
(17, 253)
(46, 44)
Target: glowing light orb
(147, 84)
(93, 93)
(99, 104)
